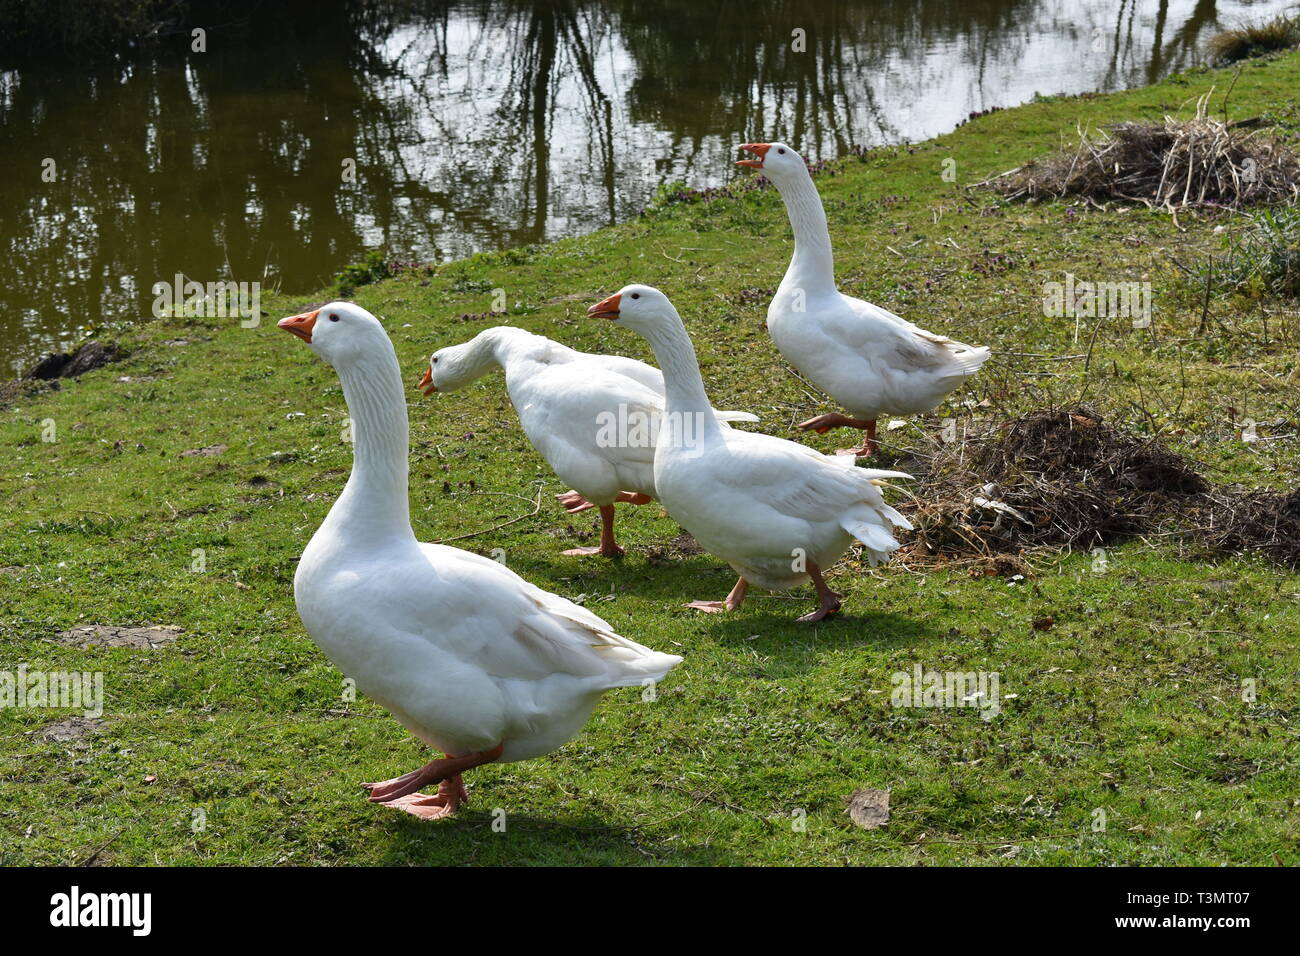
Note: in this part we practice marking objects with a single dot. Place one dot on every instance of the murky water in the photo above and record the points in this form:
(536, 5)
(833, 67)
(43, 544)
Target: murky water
(290, 147)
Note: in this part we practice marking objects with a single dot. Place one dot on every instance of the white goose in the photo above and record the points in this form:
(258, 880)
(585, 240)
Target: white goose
(594, 418)
(776, 511)
(868, 359)
(468, 656)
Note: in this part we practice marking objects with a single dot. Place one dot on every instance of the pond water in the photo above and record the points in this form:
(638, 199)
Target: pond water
(293, 145)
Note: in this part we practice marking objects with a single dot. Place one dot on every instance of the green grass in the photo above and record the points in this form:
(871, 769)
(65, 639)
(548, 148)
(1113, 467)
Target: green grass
(1131, 703)
(1263, 258)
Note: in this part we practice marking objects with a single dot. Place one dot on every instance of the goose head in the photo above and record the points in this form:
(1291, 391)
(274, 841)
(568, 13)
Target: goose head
(641, 308)
(456, 366)
(778, 161)
(341, 333)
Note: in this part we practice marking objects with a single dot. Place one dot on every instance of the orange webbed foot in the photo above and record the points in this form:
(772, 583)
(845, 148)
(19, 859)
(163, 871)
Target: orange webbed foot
(709, 607)
(451, 796)
(821, 424)
(828, 601)
(634, 497)
(435, 771)
(573, 502)
(732, 601)
(615, 552)
(821, 614)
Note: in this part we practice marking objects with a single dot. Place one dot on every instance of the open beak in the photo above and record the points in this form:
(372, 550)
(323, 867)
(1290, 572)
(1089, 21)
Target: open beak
(300, 325)
(605, 308)
(759, 150)
(426, 383)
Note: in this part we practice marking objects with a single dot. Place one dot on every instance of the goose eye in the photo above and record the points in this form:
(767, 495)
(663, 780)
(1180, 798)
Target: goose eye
(334, 317)
(781, 151)
(636, 295)
(435, 360)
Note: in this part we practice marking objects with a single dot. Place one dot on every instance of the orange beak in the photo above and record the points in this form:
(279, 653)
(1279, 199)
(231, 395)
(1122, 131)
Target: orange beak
(606, 308)
(758, 149)
(300, 325)
(426, 383)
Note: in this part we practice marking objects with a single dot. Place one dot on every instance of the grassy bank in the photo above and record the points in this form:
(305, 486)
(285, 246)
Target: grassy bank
(1123, 738)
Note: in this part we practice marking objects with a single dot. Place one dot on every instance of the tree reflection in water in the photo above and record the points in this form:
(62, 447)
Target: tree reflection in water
(488, 124)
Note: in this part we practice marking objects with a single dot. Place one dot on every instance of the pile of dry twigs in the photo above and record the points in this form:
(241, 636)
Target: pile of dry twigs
(1063, 477)
(1200, 161)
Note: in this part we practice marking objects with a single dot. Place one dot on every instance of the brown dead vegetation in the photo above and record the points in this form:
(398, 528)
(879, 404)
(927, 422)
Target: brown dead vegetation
(1202, 161)
(1063, 477)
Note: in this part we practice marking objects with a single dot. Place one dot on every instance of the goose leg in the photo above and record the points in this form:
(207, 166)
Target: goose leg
(824, 423)
(574, 502)
(869, 444)
(608, 546)
(634, 498)
(400, 792)
(829, 601)
(732, 601)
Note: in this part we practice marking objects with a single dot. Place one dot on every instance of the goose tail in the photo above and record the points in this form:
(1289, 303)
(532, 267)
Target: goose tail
(877, 541)
(873, 521)
(646, 668)
(971, 360)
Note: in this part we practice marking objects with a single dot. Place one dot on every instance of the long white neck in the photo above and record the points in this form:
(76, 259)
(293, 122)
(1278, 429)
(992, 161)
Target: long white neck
(812, 268)
(505, 342)
(496, 347)
(688, 415)
(373, 508)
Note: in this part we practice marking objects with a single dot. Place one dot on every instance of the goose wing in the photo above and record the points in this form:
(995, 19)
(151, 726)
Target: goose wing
(909, 348)
(514, 630)
(795, 480)
(578, 414)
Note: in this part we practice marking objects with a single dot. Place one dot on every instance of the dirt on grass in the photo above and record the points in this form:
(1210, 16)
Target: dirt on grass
(104, 635)
(682, 546)
(70, 729)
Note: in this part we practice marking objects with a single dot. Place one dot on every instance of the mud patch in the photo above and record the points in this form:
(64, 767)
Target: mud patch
(105, 635)
(88, 357)
(1001, 566)
(754, 296)
(70, 729)
(682, 546)
(207, 452)
(869, 809)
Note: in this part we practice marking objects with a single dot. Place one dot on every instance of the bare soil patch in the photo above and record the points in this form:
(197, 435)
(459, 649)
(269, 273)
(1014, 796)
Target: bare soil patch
(107, 635)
